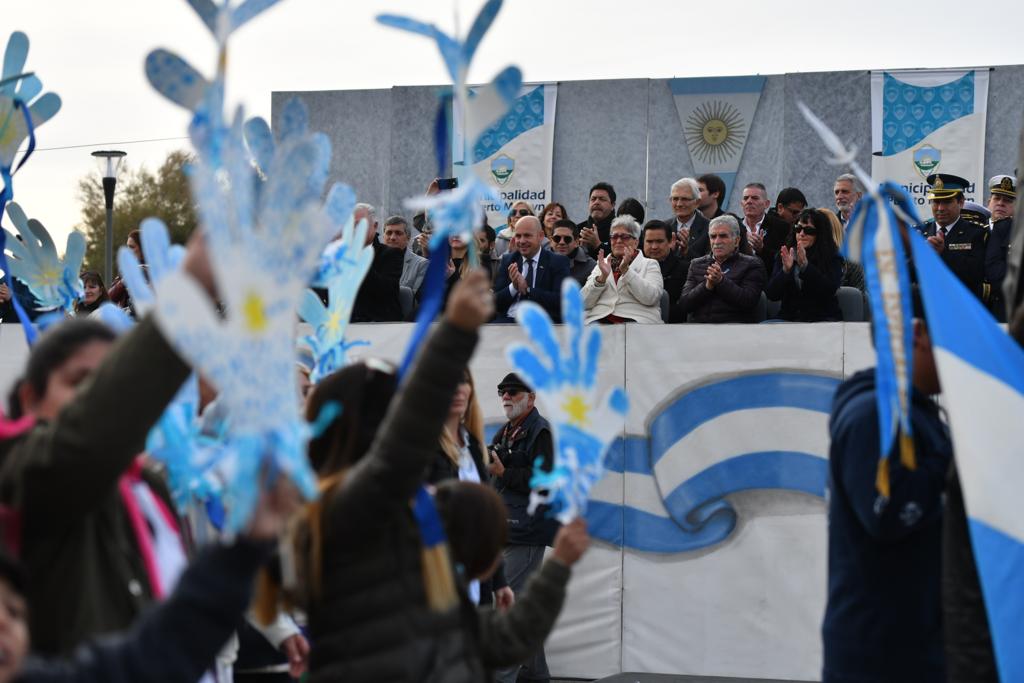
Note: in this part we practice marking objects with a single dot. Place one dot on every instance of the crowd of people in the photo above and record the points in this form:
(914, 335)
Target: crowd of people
(777, 260)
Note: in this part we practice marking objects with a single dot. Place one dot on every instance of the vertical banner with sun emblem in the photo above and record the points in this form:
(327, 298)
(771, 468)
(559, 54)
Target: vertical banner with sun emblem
(514, 155)
(716, 114)
(930, 121)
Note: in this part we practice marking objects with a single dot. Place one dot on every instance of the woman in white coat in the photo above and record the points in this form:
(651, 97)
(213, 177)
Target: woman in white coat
(624, 286)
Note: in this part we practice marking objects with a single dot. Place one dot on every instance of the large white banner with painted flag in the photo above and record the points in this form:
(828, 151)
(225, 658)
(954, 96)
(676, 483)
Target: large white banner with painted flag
(930, 121)
(716, 114)
(514, 155)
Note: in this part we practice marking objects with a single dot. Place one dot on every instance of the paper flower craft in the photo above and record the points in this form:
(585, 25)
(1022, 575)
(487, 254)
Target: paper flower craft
(264, 246)
(348, 261)
(162, 258)
(180, 82)
(52, 280)
(22, 109)
(564, 377)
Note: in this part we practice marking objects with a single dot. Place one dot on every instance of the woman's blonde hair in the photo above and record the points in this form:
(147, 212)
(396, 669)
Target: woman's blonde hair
(472, 420)
(837, 227)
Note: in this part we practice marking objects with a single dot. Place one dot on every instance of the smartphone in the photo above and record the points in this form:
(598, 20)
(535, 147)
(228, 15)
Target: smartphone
(447, 183)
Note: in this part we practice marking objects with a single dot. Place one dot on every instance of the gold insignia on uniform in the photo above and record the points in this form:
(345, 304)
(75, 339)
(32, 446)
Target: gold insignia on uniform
(938, 185)
(1006, 184)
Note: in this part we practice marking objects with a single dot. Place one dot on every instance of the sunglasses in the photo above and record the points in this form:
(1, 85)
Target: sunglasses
(511, 392)
(522, 212)
(621, 237)
(806, 229)
(562, 239)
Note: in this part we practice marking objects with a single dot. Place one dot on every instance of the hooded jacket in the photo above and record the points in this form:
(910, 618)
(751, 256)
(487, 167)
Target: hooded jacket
(883, 620)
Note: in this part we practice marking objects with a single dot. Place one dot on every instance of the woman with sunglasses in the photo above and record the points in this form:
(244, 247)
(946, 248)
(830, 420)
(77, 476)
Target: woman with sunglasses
(505, 242)
(808, 272)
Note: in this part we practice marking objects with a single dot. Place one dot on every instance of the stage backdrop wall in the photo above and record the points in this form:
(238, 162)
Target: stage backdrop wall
(710, 531)
(628, 132)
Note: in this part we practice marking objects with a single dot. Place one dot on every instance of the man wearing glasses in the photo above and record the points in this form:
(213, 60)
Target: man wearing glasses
(689, 224)
(565, 240)
(625, 286)
(514, 450)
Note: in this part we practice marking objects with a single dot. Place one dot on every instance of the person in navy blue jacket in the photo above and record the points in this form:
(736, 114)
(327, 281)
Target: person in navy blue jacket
(529, 274)
(883, 621)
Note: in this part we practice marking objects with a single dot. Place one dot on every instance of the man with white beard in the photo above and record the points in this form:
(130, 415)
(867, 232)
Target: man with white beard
(514, 450)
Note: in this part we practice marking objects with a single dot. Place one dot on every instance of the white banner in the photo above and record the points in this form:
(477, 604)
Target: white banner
(925, 122)
(514, 155)
(716, 114)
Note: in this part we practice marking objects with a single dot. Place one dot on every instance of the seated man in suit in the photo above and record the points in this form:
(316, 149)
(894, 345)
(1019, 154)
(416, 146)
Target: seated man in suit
(529, 274)
(626, 286)
(724, 286)
(689, 224)
(397, 235)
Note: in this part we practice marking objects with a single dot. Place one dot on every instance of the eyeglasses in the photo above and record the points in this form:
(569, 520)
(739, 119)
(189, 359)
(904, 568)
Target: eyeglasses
(511, 392)
(683, 199)
(621, 237)
(522, 212)
(805, 229)
(562, 239)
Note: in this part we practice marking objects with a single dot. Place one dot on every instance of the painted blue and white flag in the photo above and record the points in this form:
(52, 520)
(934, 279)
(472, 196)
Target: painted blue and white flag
(716, 115)
(929, 121)
(982, 373)
(513, 155)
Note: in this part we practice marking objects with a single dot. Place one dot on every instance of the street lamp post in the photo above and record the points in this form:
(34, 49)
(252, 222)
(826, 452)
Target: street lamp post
(109, 161)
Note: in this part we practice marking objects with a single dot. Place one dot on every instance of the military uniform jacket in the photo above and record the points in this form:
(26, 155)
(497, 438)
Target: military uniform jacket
(997, 253)
(964, 253)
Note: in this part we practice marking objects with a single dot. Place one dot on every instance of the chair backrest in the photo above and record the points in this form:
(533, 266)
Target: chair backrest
(664, 306)
(405, 299)
(851, 303)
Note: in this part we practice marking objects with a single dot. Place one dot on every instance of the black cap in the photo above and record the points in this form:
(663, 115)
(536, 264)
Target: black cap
(945, 186)
(512, 382)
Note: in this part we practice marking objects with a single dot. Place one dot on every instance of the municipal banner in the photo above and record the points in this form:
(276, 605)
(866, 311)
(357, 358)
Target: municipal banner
(716, 114)
(925, 122)
(514, 155)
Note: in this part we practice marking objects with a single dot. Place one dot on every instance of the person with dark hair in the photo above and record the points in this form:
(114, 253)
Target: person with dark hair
(601, 210)
(724, 286)
(485, 237)
(631, 206)
(565, 241)
(712, 195)
(173, 643)
(95, 293)
(551, 214)
(397, 235)
(118, 293)
(808, 272)
(883, 618)
(378, 298)
(659, 245)
(1003, 194)
(777, 225)
(75, 483)
(959, 242)
(461, 457)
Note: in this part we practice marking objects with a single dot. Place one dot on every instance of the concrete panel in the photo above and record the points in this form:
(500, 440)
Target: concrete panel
(762, 157)
(600, 134)
(669, 159)
(1003, 127)
(358, 123)
(412, 159)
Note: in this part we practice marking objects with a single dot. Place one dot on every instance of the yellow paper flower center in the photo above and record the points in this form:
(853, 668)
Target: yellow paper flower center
(252, 310)
(576, 408)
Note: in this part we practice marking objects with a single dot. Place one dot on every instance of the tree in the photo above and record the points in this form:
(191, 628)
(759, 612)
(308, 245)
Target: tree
(139, 194)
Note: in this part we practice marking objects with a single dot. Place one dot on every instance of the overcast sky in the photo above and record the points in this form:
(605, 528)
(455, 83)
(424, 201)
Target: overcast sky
(91, 53)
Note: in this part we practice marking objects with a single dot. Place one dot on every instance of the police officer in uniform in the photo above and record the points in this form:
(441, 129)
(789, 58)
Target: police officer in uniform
(1002, 196)
(959, 242)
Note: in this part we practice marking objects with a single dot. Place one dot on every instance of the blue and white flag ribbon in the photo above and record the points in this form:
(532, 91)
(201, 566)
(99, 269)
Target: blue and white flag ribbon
(982, 374)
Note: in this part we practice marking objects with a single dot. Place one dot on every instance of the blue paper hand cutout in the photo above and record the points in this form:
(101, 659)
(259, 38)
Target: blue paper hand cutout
(564, 377)
(22, 110)
(347, 263)
(52, 280)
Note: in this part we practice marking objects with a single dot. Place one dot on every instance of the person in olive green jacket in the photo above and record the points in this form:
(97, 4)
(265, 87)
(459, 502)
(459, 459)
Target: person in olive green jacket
(67, 480)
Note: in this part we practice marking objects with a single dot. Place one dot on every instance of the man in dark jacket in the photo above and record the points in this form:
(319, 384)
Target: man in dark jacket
(776, 225)
(724, 286)
(595, 231)
(658, 244)
(883, 619)
(689, 224)
(515, 448)
(565, 240)
(377, 300)
(1003, 191)
(529, 274)
(959, 242)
